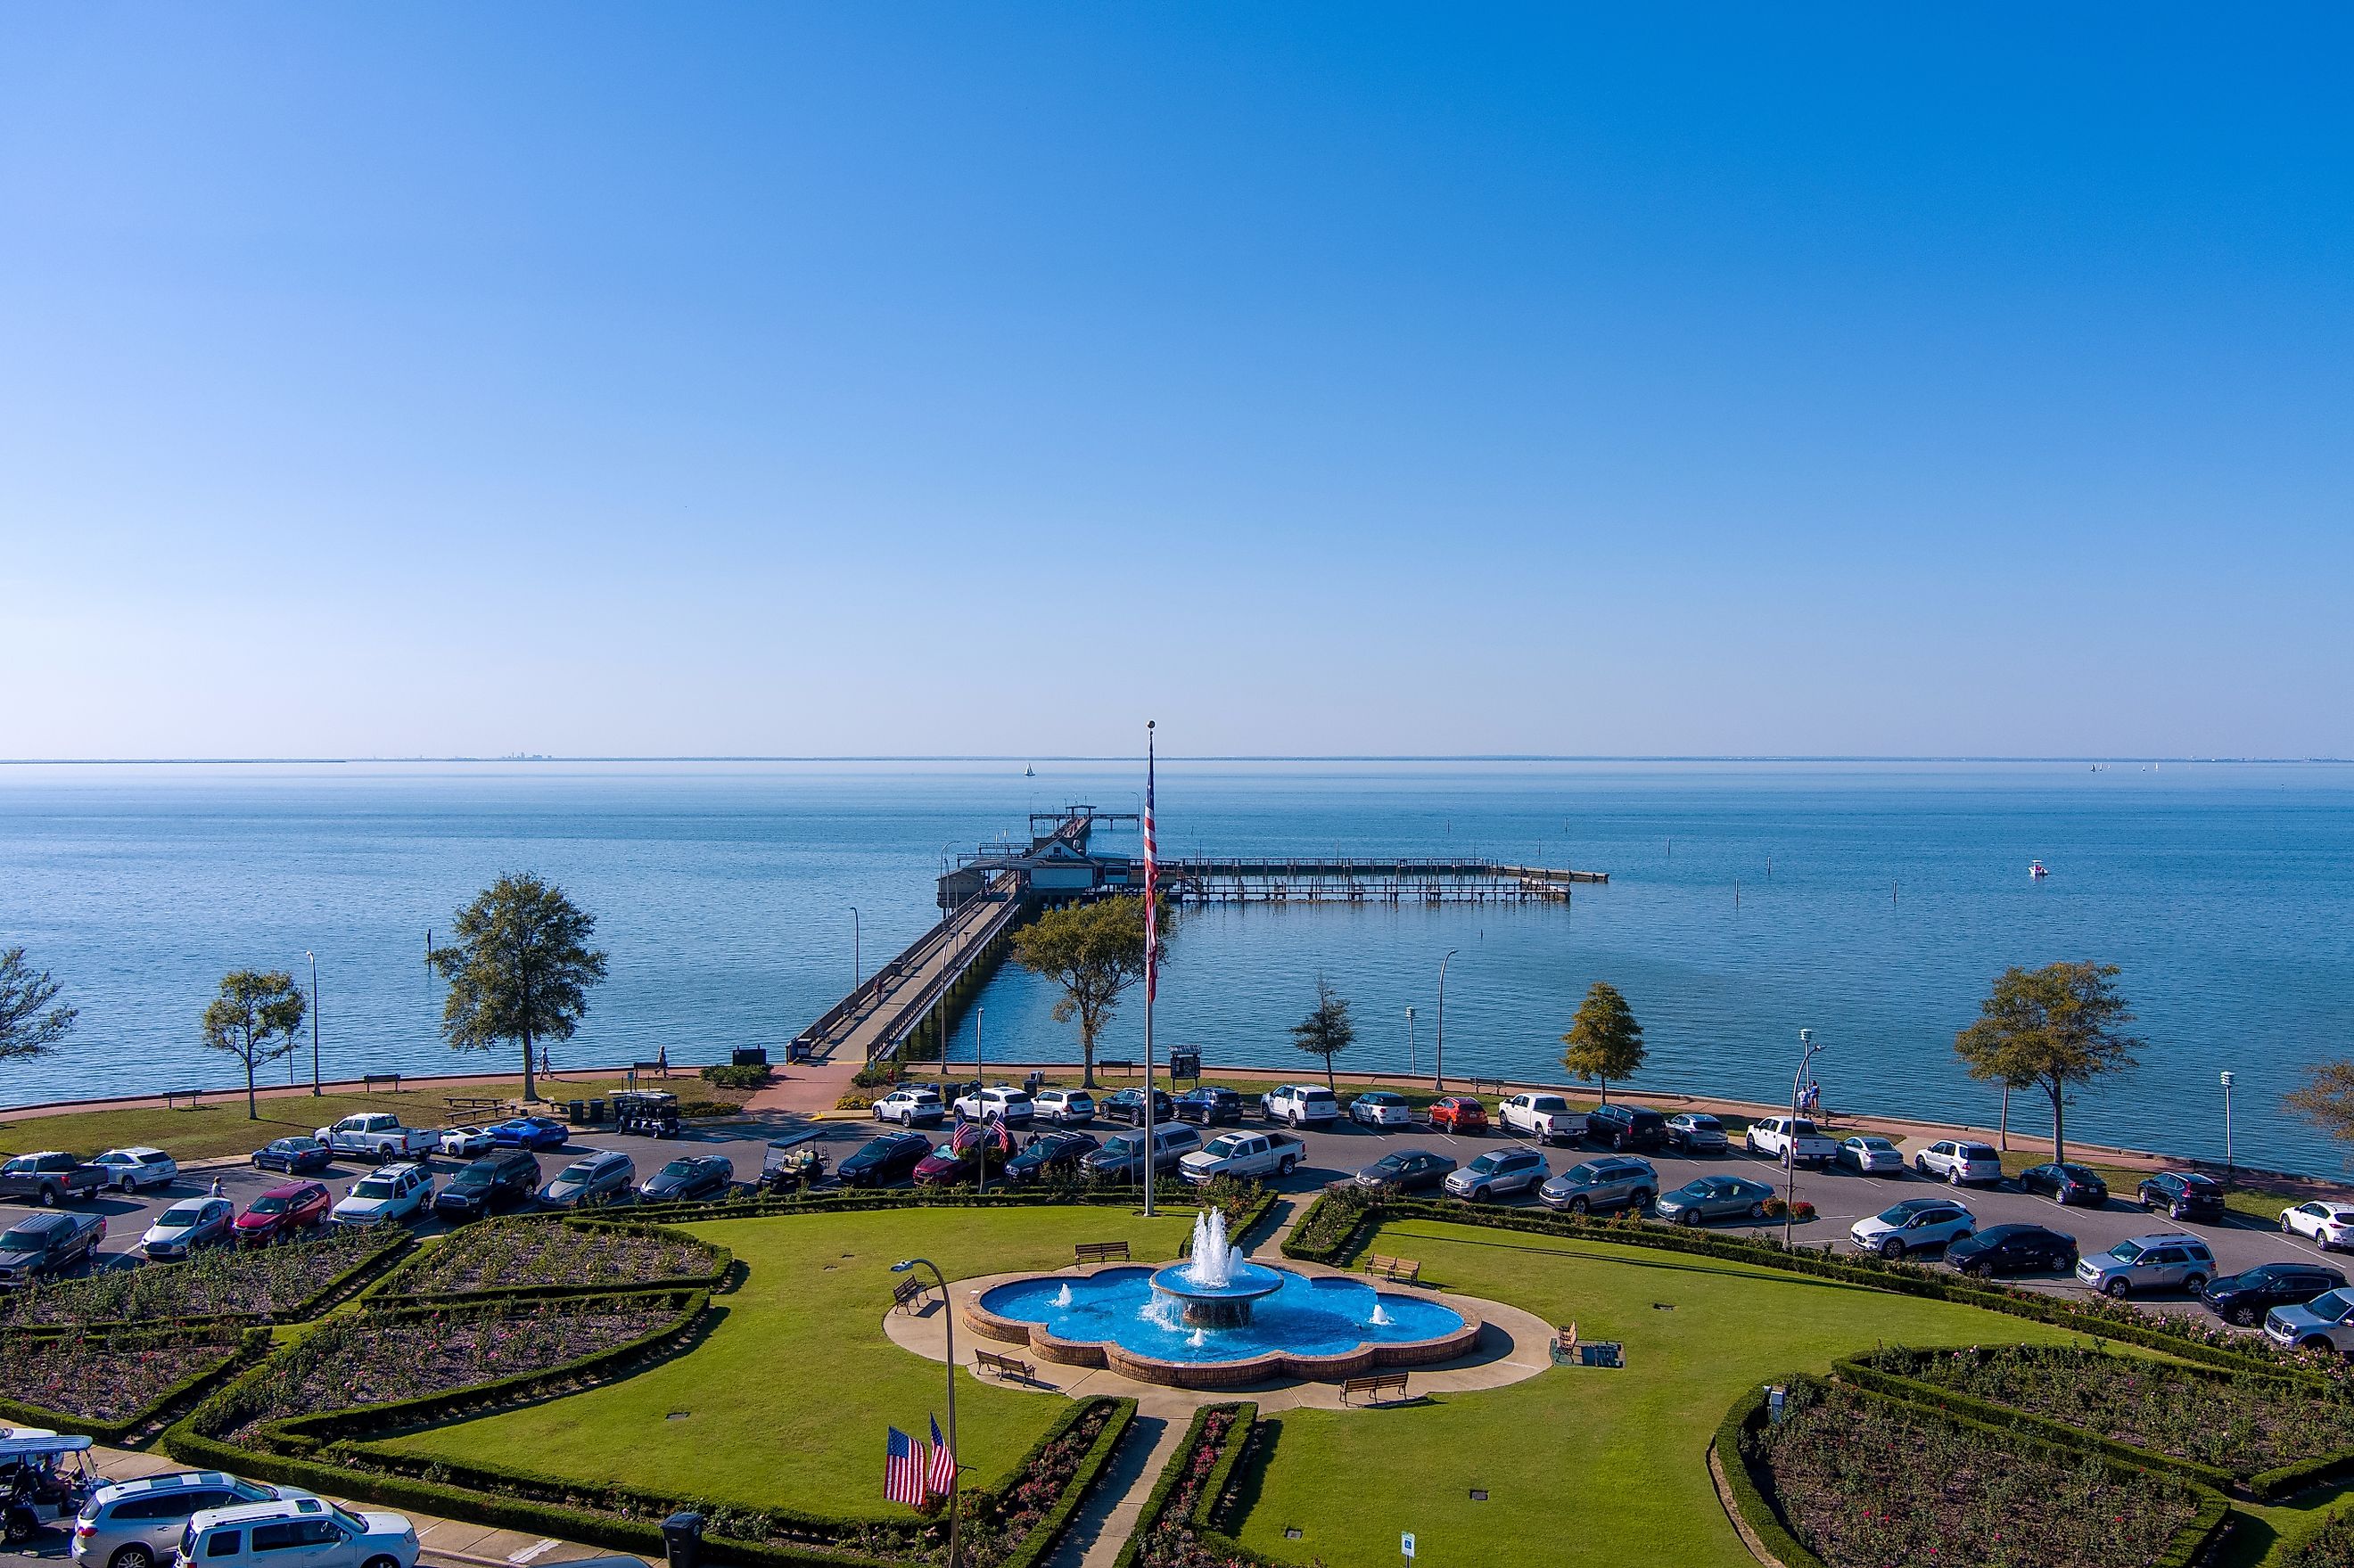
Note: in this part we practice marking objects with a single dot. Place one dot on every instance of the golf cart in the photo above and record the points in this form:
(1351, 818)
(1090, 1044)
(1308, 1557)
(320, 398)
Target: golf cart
(652, 1114)
(45, 1477)
(790, 1165)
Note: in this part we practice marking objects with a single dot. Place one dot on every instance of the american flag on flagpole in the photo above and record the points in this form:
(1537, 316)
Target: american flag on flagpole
(1151, 876)
(904, 1470)
(942, 1479)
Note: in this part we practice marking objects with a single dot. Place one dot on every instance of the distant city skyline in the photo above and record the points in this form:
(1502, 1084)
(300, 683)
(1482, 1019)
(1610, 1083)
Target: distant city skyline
(842, 382)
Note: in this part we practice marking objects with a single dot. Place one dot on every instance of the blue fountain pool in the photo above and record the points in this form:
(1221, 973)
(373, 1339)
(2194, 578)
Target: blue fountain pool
(1305, 1316)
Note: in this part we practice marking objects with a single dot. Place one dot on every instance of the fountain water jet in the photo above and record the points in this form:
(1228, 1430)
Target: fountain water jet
(1216, 1286)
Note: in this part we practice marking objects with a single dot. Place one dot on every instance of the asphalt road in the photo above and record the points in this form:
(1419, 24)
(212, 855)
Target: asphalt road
(1841, 1197)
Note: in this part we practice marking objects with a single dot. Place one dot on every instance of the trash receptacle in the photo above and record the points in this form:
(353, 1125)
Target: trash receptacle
(683, 1538)
(750, 1057)
(596, 1110)
(579, 1112)
(1035, 1082)
(797, 1052)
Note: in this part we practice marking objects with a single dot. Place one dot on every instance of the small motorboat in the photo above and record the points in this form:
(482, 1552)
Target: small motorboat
(2035, 870)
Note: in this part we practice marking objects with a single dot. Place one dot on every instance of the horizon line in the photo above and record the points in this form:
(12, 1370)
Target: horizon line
(1029, 759)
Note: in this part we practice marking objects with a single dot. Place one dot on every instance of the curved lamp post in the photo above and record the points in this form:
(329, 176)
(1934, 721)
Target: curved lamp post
(1807, 1049)
(947, 1322)
(1438, 1070)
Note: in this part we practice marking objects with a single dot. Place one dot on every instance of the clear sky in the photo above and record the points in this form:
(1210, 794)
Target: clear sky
(890, 380)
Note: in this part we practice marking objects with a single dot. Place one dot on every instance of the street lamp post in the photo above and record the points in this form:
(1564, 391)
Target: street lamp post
(1409, 1041)
(314, 1019)
(2226, 1077)
(1439, 1067)
(947, 1322)
(1807, 1049)
(858, 969)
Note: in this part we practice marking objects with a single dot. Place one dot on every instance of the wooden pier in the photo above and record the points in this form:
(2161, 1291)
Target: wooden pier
(1350, 880)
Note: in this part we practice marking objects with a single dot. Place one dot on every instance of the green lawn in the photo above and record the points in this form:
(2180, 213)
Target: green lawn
(786, 1402)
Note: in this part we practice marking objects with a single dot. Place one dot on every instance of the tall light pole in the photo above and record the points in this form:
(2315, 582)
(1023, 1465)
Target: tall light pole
(948, 1321)
(857, 970)
(313, 1022)
(1807, 1049)
(1438, 1070)
(2226, 1077)
(1409, 1040)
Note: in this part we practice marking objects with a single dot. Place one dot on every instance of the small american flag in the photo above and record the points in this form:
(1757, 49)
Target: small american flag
(942, 1480)
(904, 1470)
(1152, 877)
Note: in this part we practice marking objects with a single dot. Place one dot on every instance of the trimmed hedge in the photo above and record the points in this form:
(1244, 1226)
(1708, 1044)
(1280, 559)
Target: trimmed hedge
(1047, 1533)
(1210, 1543)
(251, 1345)
(389, 1245)
(722, 1260)
(862, 1200)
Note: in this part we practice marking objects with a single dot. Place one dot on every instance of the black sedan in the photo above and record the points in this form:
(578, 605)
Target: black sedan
(2066, 1184)
(1406, 1171)
(1051, 1154)
(2012, 1249)
(2244, 1298)
(883, 1160)
(1127, 1105)
(690, 1176)
(295, 1156)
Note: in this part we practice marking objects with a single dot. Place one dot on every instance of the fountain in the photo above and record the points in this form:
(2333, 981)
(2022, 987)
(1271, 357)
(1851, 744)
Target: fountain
(1215, 1287)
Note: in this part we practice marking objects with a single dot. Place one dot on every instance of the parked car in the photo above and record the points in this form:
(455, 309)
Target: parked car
(386, 1194)
(1869, 1154)
(1380, 1108)
(1065, 1108)
(1696, 1132)
(1788, 1138)
(1406, 1171)
(1208, 1106)
(134, 1169)
(2324, 1323)
(1051, 1154)
(48, 1179)
(2066, 1184)
(502, 1179)
(186, 1225)
(298, 1531)
(2182, 1194)
(1458, 1114)
(1121, 1158)
(1127, 1105)
(467, 1142)
(531, 1132)
(594, 1177)
(48, 1244)
(294, 1155)
(2245, 1297)
(2149, 1262)
(2013, 1249)
(1960, 1162)
(948, 1165)
(379, 1136)
(1613, 1181)
(1250, 1156)
(1545, 1117)
(689, 1177)
(879, 1161)
(1625, 1128)
(136, 1524)
(2322, 1222)
(1498, 1174)
(912, 1105)
(284, 1211)
(1916, 1224)
(1001, 1102)
(1714, 1198)
(1302, 1104)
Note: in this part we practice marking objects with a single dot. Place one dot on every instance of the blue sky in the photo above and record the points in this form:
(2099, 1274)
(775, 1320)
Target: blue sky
(911, 380)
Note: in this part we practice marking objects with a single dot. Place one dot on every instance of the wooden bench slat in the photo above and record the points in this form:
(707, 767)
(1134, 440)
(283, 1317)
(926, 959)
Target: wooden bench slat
(1003, 1366)
(1405, 1270)
(1374, 1386)
(1099, 1251)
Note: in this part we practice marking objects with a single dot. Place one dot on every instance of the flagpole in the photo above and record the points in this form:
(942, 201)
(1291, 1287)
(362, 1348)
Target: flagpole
(1151, 944)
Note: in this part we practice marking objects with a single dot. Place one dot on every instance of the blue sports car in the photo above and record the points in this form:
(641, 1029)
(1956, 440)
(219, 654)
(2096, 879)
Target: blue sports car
(529, 1132)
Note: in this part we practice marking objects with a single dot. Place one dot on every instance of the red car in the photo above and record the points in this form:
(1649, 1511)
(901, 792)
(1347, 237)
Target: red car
(943, 1167)
(1458, 1113)
(278, 1214)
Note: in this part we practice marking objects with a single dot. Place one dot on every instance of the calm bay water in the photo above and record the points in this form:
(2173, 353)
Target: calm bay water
(1874, 903)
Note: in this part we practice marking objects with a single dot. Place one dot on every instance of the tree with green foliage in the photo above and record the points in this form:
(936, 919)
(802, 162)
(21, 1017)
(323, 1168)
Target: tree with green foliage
(520, 968)
(32, 1019)
(2326, 1098)
(256, 1017)
(1095, 952)
(1604, 1041)
(2053, 1028)
(1327, 1030)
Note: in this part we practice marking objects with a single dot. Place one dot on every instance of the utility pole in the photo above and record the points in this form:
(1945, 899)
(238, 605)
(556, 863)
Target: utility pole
(314, 1019)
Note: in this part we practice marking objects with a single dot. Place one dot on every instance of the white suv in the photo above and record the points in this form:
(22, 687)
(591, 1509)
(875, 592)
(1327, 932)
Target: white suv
(297, 1529)
(1545, 1117)
(1302, 1104)
(1959, 1162)
(386, 1194)
(909, 1104)
(1915, 1225)
(1065, 1107)
(1004, 1102)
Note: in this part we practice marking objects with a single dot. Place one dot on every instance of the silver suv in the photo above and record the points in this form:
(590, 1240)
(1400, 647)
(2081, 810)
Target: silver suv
(2148, 1263)
(135, 1524)
(598, 1176)
(1617, 1181)
(1496, 1172)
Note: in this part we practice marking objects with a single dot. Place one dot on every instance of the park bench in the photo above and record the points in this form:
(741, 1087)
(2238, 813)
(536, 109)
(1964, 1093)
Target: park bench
(1374, 1387)
(187, 1094)
(1099, 1251)
(907, 1295)
(1568, 1350)
(369, 1082)
(1397, 1270)
(1003, 1366)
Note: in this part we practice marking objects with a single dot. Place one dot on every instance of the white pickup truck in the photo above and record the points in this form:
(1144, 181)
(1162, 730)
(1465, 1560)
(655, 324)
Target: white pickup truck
(379, 1136)
(1248, 1155)
(1788, 1138)
(1545, 1117)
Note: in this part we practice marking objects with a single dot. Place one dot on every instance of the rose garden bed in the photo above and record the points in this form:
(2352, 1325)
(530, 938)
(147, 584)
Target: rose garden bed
(288, 1281)
(543, 1255)
(110, 1381)
(2331, 1546)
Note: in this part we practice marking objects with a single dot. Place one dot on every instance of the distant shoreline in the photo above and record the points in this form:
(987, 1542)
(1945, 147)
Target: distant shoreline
(1010, 758)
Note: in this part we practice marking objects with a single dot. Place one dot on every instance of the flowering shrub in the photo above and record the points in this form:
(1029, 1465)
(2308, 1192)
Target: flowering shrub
(1871, 1483)
(504, 1254)
(2331, 1546)
(109, 1376)
(216, 1281)
(1329, 1222)
(1001, 1530)
(2231, 1422)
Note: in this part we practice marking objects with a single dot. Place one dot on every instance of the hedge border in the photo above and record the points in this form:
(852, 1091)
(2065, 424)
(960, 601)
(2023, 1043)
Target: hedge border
(249, 1346)
(860, 1200)
(2187, 1547)
(330, 1293)
(710, 1279)
(1049, 1533)
(1156, 1501)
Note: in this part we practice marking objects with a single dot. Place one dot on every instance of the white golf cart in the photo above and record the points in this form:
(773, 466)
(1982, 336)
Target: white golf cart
(45, 1477)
